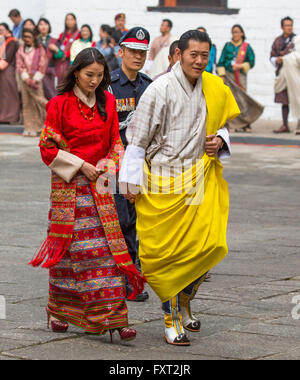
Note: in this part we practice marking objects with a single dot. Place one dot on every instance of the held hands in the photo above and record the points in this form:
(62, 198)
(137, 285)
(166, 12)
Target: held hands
(213, 145)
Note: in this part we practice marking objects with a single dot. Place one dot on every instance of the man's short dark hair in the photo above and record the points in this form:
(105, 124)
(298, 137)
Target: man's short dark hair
(14, 13)
(286, 19)
(194, 35)
(170, 23)
(173, 47)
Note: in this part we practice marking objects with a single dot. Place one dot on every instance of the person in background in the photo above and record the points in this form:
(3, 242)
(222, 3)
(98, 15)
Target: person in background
(128, 84)
(236, 60)
(30, 24)
(289, 79)
(157, 61)
(64, 43)
(106, 48)
(115, 38)
(49, 44)
(213, 54)
(32, 65)
(84, 41)
(18, 22)
(120, 23)
(282, 46)
(173, 58)
(10, 102)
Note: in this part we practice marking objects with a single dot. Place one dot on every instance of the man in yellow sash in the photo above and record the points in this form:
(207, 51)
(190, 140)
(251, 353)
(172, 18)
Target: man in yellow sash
(176, 138)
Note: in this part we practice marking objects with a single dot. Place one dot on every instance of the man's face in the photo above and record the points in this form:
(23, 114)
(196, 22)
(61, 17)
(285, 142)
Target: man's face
(133, 59)
(288, 27)
(164, 28)
(175, 58)
(195, 59)
(120, 23)
(15, 19)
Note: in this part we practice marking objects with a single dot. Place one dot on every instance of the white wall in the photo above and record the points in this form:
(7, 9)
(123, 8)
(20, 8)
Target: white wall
(260, 18)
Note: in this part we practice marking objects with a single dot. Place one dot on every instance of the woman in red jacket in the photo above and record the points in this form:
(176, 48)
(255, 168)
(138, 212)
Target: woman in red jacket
(64, 43)
(85, 249)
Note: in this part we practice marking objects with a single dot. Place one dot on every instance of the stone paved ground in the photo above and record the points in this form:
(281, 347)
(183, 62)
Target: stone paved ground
(246, 308)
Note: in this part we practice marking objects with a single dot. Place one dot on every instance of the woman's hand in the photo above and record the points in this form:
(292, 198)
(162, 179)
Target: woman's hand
(90, 171)
(53, 47)
(213, 145)
(237, 67)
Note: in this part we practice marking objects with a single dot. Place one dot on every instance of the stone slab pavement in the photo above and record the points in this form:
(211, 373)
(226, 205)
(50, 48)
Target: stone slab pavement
(246, 309)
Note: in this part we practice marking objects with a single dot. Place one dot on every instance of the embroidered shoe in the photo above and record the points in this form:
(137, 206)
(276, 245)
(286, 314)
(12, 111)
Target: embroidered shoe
(171, 337)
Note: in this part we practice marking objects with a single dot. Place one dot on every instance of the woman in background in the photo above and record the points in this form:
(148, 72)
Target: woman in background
(49, 44)
(10, 102)
(64, 43)
(236, 61)
(84, 41)
(32, 65)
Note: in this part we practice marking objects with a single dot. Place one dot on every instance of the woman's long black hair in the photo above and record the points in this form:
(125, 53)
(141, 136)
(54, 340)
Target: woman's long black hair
(85, 58)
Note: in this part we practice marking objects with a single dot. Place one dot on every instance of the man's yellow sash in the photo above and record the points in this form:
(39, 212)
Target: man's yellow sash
(182, 240)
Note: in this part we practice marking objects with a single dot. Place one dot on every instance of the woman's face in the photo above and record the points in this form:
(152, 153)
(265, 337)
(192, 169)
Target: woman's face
(28, 39)
(85, 33)
(2, 31)
(29, 25)
(43, 28)
(103, 34)
(90, 77)
(237, 34)
(70, 22)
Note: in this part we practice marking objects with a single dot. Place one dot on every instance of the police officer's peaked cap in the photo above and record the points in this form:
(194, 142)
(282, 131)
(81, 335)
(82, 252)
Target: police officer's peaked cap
(136, 38)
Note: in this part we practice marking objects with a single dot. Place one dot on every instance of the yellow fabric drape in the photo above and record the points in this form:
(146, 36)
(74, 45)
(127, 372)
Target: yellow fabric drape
(181, 240)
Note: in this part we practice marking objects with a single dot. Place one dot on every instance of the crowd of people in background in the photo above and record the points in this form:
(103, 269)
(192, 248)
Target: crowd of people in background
(33, 62)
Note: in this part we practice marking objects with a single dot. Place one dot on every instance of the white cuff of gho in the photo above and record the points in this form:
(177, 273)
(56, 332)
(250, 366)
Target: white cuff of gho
(132, 167)
(38, 76)
(224, 153)
(24, 76)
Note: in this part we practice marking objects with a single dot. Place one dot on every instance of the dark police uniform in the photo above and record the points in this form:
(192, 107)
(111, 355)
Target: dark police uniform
(128, 94)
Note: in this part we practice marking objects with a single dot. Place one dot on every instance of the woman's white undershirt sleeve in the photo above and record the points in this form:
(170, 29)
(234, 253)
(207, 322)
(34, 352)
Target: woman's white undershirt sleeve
(132, 167)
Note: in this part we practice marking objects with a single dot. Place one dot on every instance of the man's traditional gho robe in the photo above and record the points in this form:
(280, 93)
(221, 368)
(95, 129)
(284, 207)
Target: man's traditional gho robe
(179, 242)
(289, 78)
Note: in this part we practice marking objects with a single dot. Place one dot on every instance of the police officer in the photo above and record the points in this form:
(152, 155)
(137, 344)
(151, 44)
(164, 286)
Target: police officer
(128, 85)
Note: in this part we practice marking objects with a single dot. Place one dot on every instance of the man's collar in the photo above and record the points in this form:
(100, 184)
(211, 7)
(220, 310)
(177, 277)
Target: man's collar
(124, 79)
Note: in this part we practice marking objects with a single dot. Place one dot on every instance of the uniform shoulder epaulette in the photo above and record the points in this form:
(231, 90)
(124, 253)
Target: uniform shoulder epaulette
(115, 75)
(145, 76)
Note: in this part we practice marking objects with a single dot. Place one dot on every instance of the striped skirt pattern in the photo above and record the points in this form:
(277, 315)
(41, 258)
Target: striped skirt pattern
(86, 288)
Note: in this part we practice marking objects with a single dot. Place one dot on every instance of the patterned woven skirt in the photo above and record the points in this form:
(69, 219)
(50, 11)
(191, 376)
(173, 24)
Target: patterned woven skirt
(86, 288)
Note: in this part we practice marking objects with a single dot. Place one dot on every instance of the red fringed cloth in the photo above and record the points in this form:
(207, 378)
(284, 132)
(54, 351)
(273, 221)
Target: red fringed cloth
(62, 217)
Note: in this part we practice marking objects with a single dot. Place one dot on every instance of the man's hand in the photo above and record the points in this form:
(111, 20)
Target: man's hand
(90, 171)
(129, 192)
(279, 61)
(213, 145)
